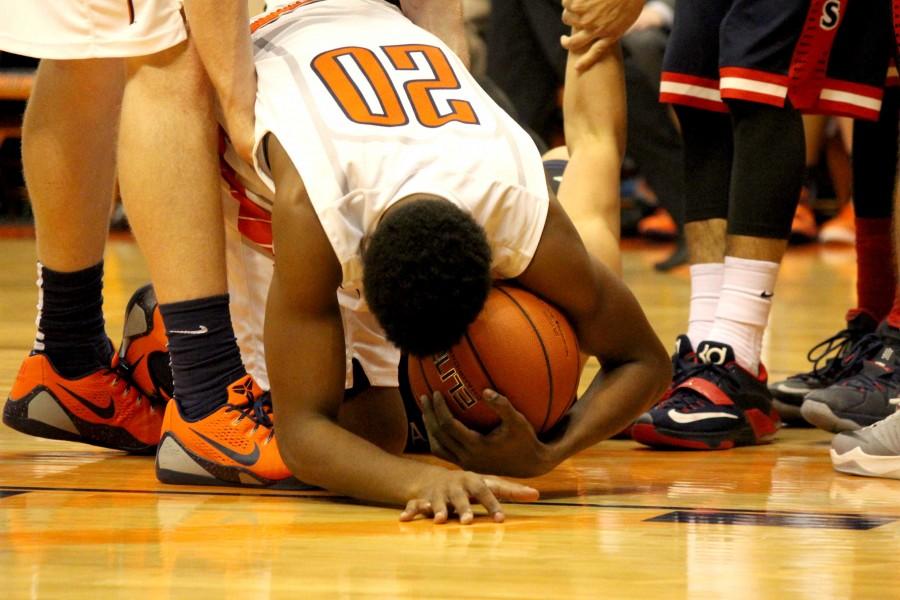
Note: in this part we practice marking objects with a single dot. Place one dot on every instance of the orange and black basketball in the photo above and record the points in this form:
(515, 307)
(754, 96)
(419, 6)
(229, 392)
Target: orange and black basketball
(520, 346)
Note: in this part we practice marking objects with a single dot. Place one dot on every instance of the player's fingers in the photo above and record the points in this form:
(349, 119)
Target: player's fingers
(502, 406)
(460, 500)
(442, 445)
(414, 508)
(507, 490)
(593, 55)
(439, 509)
(481, 492)
(450, 424)
(580, 39)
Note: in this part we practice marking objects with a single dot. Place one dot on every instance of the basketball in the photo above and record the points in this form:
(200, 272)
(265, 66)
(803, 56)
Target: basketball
(519, 346)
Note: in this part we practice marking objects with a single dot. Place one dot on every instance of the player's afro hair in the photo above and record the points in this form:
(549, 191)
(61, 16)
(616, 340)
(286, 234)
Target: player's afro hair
(426, 274)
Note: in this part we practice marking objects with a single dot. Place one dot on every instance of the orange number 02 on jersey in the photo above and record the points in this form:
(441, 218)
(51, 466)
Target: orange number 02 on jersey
(361, 85)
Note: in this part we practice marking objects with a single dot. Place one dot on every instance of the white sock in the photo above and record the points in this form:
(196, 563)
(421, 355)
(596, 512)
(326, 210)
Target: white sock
(706, 285)
(743, 310)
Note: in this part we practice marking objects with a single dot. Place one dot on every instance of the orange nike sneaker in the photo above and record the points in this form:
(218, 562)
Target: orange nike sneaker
(102, 409)
(235, 445)
(144, 353)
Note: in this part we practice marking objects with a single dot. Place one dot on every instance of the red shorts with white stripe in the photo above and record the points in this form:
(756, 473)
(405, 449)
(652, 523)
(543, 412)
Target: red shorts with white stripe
(821, 56)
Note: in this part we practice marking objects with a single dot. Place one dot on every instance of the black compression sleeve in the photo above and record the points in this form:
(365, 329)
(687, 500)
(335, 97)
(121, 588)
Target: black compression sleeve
(769, 153)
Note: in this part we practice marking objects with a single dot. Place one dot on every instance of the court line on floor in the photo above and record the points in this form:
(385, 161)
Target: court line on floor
(323, 495)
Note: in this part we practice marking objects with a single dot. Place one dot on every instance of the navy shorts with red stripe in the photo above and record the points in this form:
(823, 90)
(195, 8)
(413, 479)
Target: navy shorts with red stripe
(824, 56)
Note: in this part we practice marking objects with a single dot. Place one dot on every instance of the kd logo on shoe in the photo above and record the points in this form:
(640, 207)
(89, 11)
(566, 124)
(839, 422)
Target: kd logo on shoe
(713, 355)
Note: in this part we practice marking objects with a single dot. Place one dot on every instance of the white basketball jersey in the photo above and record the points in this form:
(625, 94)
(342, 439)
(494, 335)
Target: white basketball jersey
(371, 108)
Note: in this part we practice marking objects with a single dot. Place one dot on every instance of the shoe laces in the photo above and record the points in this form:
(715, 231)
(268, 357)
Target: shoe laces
(257, 408)
(125, 370)
(848, 363)
(124, 387)
(828, 356)
(682, 365)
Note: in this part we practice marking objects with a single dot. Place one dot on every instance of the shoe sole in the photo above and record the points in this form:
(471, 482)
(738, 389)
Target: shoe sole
(857, 462)
(820, 414)
(657, 437)
(40, 414)
(176, 464)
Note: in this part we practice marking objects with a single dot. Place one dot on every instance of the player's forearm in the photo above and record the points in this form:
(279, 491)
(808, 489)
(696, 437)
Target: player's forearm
(613, 400)
(443, 18)
(321, 452)
(221, 34)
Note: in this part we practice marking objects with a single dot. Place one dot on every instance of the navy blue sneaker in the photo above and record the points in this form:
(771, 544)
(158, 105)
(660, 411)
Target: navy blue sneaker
(719, 405)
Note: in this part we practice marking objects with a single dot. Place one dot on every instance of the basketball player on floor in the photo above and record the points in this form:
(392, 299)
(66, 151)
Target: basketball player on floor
(401, 174)
(735, 70)
(135, 56)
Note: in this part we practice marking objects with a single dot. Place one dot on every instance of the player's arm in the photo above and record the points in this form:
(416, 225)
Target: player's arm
(304, 340)
(221, 33)
(610, 324)
(443, 18)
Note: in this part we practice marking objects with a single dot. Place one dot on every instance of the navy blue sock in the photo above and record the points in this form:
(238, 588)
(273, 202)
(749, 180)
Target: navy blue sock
(204, 353)
(70, 326)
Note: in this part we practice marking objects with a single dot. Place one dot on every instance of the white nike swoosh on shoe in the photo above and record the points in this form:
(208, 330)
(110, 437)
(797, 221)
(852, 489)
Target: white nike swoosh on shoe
(680, 417)
(200, 331)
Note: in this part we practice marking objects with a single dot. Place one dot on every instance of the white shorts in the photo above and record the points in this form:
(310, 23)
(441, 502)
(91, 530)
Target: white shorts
(79, 29)
(249, 276)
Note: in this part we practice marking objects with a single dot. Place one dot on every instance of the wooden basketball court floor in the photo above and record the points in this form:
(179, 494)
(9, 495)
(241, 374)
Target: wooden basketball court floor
(618, 521)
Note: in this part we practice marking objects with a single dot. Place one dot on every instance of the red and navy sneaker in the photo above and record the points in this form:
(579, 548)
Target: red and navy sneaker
(719, 405)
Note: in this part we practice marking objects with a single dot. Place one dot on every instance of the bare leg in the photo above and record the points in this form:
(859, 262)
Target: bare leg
(594, 106)
(68, 151)
(169, 174)
(706, 241)
(755, 248)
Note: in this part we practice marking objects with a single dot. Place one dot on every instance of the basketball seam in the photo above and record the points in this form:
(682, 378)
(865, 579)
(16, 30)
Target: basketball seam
(481, 363)
(537, 334)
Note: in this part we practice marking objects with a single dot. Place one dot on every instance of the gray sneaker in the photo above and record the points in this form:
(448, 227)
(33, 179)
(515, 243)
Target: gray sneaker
(873, 451)
(859, 400)
(833, 359)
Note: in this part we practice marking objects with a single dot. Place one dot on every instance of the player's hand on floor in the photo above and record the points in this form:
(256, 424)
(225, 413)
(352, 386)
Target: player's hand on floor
(445, 492)
(512, 448)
